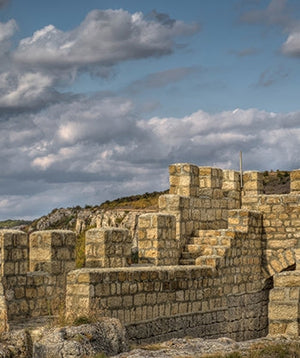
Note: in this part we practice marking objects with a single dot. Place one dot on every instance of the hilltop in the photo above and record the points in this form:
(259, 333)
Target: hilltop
(275, 182)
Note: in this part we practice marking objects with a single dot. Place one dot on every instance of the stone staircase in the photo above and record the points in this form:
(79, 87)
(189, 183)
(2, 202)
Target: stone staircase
(206, 248)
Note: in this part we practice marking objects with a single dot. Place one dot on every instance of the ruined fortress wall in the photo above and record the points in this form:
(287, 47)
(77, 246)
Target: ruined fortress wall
(200, 198)
(159, 302)
(226, 253)
(281, 221)
(157, 240)
(40, 292)
(109, 247)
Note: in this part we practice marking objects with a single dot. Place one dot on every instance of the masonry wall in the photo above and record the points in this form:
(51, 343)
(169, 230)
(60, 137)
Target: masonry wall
(157, 240)
(110, 247)
(27, 294)
(281, 223)
(200, 198)
(161, 302)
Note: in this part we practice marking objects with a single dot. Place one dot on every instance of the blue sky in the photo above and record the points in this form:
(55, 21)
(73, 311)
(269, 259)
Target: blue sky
(97, 98)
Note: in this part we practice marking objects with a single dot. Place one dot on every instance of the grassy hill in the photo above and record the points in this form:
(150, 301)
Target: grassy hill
(275, 182)
(134, 202)
(9, 224)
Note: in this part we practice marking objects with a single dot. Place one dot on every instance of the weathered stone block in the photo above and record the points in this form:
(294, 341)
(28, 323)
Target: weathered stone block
(184, 179)
(287, 279)
(52, 251)
(108, 247)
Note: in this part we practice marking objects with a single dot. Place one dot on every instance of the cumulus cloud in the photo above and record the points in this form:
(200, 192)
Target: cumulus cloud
(291, 46)
(51, 57)
(278, 13)
(7, 30)
(103, 39)
(101, 143)
(58, 149)
(24, 89)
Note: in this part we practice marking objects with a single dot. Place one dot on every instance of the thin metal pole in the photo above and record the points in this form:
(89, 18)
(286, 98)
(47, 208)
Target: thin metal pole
(241, 168)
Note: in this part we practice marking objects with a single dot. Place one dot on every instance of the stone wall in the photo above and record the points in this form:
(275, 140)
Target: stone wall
(232, 241)
(200, 198)
(159, 302)
(284, 310)
(41, 292)
(158, 244)
(281, 222)
(109, 247)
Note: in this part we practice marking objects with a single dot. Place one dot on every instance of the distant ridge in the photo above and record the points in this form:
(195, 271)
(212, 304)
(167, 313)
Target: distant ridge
(275, 182)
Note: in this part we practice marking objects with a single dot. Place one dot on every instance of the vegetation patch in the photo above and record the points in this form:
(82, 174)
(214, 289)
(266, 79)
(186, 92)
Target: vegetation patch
(143, 201)
(276, 182)
(8, 224)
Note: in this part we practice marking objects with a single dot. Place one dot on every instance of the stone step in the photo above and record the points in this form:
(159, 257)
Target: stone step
(218, 250)
(187, 261)
(189, 255)
(211, 241)
(206, 233)
(193, 248)
(200, 241)
(211, 260)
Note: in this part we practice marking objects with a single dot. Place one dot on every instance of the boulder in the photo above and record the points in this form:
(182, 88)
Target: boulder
(105, 336)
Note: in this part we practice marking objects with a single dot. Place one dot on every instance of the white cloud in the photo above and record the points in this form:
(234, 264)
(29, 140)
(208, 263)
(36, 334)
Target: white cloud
(104, 38)
(291, 46)
(7, 30)
(278, 12)
(54, 146)
(24, 89)
(102, 144)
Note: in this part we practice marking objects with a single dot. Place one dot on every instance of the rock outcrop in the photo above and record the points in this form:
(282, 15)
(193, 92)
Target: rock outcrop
(106, 336)
(79, 220)
(16, 344)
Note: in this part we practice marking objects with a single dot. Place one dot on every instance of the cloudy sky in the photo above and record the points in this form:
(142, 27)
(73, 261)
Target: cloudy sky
(98, 97)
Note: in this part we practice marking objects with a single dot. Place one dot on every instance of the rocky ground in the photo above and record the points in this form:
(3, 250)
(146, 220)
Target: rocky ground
(217, 348)
(106, 338)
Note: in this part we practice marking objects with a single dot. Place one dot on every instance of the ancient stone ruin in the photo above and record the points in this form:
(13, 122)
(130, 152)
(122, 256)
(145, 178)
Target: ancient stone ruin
(216, 260)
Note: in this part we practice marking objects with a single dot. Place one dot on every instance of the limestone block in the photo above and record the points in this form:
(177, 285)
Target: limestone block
(295, 181)
(287, 279)
(231, 180)
(108, 247)
(277, 328)
(281, 311)
(184, 179)
(253, 183)
(13, 252)
(158, 243)
(210, 178)
(52, 251)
